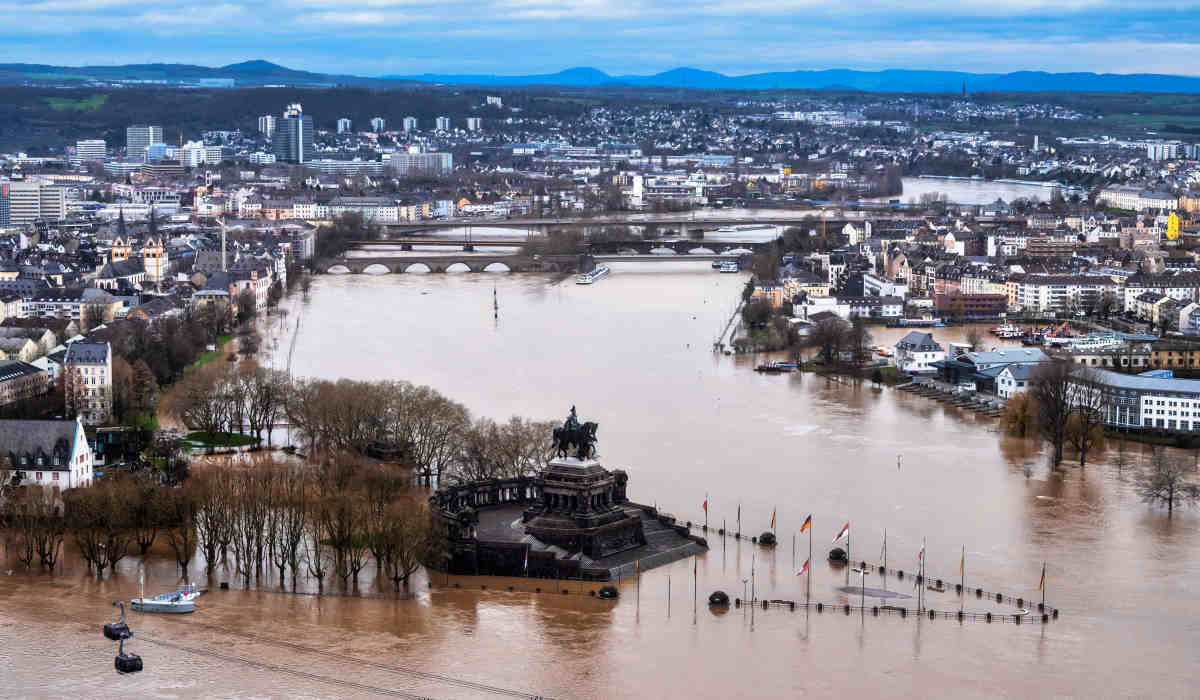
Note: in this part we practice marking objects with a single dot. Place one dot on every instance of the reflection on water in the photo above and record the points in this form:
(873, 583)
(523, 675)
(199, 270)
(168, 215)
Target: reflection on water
(632, 352)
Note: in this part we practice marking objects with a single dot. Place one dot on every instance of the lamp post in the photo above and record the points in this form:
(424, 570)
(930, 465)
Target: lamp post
(863, 588)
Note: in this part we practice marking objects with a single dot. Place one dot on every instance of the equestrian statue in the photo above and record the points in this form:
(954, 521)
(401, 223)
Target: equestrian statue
(581, 436)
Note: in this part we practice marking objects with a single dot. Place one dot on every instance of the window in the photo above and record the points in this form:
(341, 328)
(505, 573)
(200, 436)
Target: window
(39, 476)
(56, 476)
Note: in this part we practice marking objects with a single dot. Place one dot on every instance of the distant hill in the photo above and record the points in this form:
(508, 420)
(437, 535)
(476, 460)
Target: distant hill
(260, 72)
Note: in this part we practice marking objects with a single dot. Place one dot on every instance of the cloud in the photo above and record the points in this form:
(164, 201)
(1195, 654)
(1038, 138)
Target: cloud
(619, 36)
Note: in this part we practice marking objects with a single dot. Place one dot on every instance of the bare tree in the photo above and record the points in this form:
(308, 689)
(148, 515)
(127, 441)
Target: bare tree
(1168, 480)
(1050, 389)
(974, 339)
(1090, 404)
(183, 531)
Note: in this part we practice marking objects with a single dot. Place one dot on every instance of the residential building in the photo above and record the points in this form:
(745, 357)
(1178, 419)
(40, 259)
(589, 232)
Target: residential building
(293, 142)
(916, 352)
(266, 125)
(442, 123)
(1137, 199)
(410, 124)
(1013, 379)
(88, 384)
(873, 306)
(378, 124)
(138, 138)
(344, 125)
(474, 123)
(977, 305)
(879, 286)
(419, 163)
(48, 452)
(34, 199)
(494, 101)
(20, 381)
(5, 206)
(1174, 354)
(90, 151)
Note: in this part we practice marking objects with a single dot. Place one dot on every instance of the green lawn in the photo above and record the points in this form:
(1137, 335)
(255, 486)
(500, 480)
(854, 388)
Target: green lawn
(84, 104)
(199, 439)
(210, 355)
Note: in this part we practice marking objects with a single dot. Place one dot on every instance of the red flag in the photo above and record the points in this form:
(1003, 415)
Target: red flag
(803, 569)
(845, 531)
(705, 504)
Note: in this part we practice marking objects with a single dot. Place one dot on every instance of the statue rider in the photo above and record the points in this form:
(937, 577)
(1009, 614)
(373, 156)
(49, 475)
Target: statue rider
(572, 423)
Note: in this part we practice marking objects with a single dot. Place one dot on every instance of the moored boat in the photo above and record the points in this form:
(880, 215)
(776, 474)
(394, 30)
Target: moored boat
(182, 600)
(593, 275)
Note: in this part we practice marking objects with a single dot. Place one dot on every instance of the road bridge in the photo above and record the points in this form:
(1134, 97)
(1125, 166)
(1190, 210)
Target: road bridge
(775, 217)
(641, 247)
(442, 263)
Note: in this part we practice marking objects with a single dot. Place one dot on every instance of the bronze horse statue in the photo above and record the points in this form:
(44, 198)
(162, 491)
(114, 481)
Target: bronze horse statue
(582, 438)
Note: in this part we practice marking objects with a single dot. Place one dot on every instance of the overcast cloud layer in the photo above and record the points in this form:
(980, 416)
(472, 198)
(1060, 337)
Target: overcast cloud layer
(389, 37)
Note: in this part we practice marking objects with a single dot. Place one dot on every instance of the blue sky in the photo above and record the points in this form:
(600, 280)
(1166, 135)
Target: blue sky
(382, 37)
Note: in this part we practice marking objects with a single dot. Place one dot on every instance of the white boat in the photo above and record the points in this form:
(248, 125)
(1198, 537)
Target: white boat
(180, 601)
(730, 267)
(1094, 341)
(591, 277)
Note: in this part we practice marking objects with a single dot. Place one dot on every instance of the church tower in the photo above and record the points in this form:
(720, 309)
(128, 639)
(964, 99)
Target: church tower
(154, 260)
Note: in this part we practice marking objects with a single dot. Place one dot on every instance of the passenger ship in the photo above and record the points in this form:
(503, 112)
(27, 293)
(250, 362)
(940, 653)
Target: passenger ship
(591, 277)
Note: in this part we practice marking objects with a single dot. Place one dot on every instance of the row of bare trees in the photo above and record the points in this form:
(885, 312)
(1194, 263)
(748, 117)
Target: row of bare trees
(436, 435)
(1064, 404)
(326, 518)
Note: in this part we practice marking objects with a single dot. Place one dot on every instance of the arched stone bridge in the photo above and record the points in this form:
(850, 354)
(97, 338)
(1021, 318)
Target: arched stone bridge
(442, 263)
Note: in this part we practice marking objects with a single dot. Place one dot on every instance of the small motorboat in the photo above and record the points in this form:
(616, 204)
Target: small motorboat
(182, 600)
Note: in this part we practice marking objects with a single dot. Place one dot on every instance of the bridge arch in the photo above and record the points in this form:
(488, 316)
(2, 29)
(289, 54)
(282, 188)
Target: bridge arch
(497, 267)
(457, 267)
(377, 269)
(419, 268)
(701, 251)
(663, 251)
(337, 269)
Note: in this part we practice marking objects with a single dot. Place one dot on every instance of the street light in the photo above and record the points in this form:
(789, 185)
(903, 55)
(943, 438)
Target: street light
(863, 573)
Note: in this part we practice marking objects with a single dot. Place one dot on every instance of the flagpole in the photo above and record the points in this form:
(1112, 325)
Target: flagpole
(739, 520)
(668, 595)
(808, 579)
(753, 556)
(1043, 586)
(706, 511)
(962, 579)
(849, 558)
(885, 559)
(639, 586)
(793, 551)
(695, 587)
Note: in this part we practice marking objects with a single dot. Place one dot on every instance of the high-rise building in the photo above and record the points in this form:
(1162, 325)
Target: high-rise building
(138, 137)
(88, 381)
(1035, 143)
(344, 125)
(266, 125)
(443, 123)
(410, 124)
(90, 150)
(403, 164)
(294, 136)
(474, 123)
(4, 213)
(30, 200)
(378, 124)
(494, 101)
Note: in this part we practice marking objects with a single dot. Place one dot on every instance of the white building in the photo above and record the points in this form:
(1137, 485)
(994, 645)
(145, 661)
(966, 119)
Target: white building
(879, 286)
(378, 124)
(33, 199)
(266, 125)
(916, 352)
(90, 151)
(47, 452)
(474, 123)
(410, 124)
(442, 123)
(1137, 199)
(343, 125)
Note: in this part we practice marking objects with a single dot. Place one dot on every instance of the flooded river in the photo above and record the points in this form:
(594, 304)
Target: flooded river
(633, 353)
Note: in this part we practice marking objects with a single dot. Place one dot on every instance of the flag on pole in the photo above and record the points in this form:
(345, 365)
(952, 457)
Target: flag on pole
(705, 504)
(1042, 581)
(845, 531)
(637, 566)
(773, 511)
(921, 554)
(807, 524)
(962, 562)
(803, 569)
(527, 560)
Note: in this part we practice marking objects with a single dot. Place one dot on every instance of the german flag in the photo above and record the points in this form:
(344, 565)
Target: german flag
(1042, 581)
(807, 524)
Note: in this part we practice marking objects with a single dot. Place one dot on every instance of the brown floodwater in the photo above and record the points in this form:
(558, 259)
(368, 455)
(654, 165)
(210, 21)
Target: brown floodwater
(633, 353)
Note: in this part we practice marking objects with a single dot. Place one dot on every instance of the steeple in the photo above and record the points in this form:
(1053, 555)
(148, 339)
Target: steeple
(121, 224)
(152, 232)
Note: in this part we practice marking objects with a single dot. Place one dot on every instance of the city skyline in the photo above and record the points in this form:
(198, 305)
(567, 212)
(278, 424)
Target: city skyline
(534, 36)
